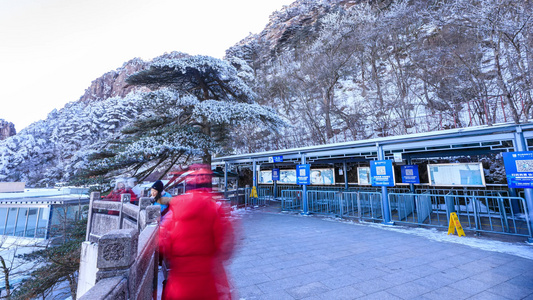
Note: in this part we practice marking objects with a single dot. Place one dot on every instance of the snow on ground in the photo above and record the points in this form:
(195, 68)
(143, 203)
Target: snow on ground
(524, 250)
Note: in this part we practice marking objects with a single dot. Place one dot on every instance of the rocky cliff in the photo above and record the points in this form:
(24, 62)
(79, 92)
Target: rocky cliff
(113, 83)
(7, 129)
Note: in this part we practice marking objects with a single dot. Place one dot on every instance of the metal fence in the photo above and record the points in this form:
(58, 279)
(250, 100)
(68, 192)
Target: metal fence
(480, 213)
(362, 205)
(291, 200)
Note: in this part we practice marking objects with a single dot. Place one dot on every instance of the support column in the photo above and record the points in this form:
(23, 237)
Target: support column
(275, 182)
(384, 192)
(225, 179)
(255, 174)
(345, 171)
(411, 185)
(521, 145)
(305, 204)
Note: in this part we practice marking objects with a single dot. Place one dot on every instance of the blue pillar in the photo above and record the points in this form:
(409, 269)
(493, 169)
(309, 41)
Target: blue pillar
(255, 174)
(225, 179)
(345, 171)
(411, 185)
(275, 182)
(384, 192)
(304, 192)
(520, 145)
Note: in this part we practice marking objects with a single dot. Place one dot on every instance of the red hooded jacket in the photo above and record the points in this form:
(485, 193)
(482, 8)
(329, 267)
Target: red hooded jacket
(196, 237)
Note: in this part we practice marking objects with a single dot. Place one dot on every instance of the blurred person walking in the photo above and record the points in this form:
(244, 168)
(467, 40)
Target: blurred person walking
(196, 238)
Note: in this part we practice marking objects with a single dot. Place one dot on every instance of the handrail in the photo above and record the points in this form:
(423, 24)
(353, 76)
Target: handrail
(116, 259)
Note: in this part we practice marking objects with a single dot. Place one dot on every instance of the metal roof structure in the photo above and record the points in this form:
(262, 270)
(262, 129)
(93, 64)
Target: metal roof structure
(462, 141)
(480, 140)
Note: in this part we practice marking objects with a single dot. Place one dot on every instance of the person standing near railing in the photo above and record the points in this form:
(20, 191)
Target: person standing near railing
(196, 238)
(160, 197)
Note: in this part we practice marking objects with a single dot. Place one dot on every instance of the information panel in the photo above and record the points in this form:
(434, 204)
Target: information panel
(303, 173)
(318, 176)
(285, 176)
(363, 175)
(519, 169)
(410, 174)
(323, 176)
(275, 174)
(457, 174)
(382, 173)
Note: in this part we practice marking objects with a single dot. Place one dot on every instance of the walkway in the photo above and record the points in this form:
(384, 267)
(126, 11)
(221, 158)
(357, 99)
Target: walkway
(289, 256)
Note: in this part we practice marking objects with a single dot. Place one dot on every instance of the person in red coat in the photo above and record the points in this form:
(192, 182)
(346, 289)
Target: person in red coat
(196, 238)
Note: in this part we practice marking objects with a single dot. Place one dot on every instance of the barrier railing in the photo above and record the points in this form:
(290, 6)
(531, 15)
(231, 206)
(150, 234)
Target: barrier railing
(362, 205)
(236, 197)
(291, 200)
(496, 214)
(370, 205)
(324, 202)
(119, 259)
(463, 191)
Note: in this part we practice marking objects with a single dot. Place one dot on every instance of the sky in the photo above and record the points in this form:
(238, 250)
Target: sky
(51, 50)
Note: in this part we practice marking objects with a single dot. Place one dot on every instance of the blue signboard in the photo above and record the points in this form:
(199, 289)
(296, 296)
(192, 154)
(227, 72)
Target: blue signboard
(303, 174)
(275, 174)
(381, 173)
(519, 169)
(410, 174)
(275, 159)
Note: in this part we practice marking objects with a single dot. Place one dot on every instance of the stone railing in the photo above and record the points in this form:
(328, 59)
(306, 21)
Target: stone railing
(119, 259)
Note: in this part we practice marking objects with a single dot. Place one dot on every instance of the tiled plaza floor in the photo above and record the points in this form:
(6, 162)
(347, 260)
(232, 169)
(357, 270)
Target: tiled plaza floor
(290, 256)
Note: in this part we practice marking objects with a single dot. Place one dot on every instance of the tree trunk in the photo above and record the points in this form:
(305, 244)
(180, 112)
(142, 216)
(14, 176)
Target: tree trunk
(5, 270)
(501, 84)
(327, 114)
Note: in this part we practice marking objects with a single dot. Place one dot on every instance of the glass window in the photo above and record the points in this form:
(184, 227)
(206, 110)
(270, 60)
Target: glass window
(3, 216)
(11, 218)
(42, 224)
(32, 222)
(20, 228)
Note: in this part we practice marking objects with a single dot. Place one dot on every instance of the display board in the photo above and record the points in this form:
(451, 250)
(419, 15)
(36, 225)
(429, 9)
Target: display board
(457, 174)
(519, 169)
(410, 174)
(323, 176)
(382, 173)
(303, 174)
(363, 175)
(318, 177)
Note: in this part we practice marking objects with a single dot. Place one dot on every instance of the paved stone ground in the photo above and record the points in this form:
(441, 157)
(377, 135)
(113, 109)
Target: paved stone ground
(289, 256)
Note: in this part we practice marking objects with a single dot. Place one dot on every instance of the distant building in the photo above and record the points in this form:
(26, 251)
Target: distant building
(32, 215)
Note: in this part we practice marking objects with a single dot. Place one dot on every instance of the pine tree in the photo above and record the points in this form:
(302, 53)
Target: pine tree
(193, 103)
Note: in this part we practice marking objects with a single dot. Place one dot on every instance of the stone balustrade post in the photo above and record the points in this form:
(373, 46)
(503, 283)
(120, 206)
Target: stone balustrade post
(144, 202)
(125, 198)
(117, 251)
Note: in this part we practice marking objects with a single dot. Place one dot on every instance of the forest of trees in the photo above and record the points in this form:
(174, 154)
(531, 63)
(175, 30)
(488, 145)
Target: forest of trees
(394, 67)
(329, 71)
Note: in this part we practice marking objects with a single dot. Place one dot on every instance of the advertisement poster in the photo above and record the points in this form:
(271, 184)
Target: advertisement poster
(363, 175)
(456, 174)
(381, 173)
(410, 174)
(519, 169)
(318, 176)
(323, 176)
(285, 177)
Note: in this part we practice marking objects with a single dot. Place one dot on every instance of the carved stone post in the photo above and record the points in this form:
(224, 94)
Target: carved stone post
(117, 250)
